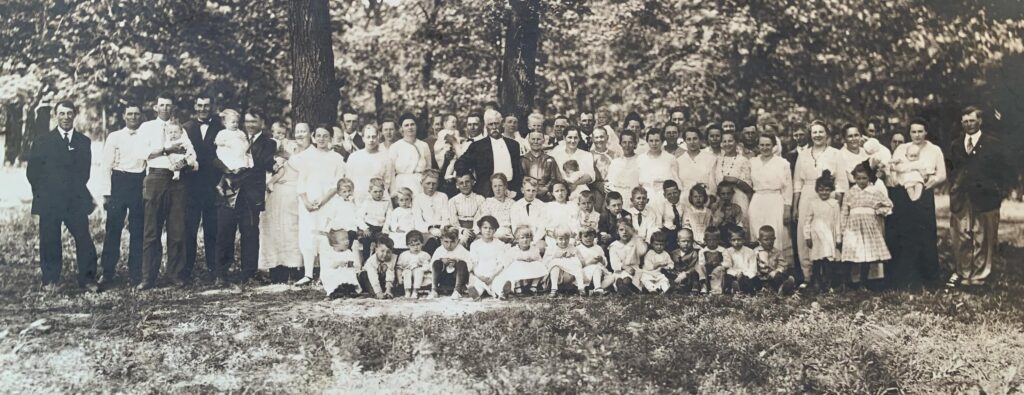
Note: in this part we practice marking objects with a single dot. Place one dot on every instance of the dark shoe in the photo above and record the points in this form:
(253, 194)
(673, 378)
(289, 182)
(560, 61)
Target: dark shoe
(144, 286)
(106, 283)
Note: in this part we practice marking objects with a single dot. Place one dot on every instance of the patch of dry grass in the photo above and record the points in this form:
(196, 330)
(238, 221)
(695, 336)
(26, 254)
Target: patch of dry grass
(282, 340)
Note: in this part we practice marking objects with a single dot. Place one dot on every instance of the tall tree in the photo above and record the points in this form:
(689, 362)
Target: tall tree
(314, 91)
(517, 82)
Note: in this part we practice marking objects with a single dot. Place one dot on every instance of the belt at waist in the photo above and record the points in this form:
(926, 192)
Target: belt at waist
(466, 223)
(161, 172)
(779, 191)
(862, 210)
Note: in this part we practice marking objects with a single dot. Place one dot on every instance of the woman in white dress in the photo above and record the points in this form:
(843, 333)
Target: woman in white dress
(657, 166)
(809, 165)
(773, 193)
(695, 166)
(409, 158)
(320, 168)
(279, 223)
(623, 172)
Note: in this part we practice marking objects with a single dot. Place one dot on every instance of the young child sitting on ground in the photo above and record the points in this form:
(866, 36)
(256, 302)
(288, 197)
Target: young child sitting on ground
(487, 253)
(339, 264)
(381, 266)
(685, 273)
(562, 263)
(413, 264)
(402, 220)
(593, 259)
(525, 264)
(650, 277)
(712, 260)
(625, 256)
(772, 268)
(741, 263)
(451, 260)
(372, 215)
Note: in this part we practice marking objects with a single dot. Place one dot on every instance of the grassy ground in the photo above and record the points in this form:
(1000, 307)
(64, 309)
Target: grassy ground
(282, 340)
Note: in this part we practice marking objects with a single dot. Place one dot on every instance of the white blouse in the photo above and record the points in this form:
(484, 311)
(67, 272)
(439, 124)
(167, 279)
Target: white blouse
(809, 166)
(772, 176)
(319, 172)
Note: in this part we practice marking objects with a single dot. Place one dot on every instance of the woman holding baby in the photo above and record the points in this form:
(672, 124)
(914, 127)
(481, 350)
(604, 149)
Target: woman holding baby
(916, 168)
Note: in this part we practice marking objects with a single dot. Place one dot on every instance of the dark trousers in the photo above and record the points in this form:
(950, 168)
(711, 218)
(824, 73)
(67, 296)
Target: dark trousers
(461, 275)
(740, 283)
(244, 220)
(200, 208)
(164, 205)
(125, 202)
(51, 255)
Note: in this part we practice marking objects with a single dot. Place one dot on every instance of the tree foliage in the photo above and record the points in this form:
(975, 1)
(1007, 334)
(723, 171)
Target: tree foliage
(840, 59)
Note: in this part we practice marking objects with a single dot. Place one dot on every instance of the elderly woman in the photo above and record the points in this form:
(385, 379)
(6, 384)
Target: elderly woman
(409, 157)
(279, 223)
(368, 163)
(539, 165)
(911, 229)
(813, 160)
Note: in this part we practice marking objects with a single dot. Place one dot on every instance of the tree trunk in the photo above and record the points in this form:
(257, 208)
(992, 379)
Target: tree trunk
(314, 91)
(517, 83)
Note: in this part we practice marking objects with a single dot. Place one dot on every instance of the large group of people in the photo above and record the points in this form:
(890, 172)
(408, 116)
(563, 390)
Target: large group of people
(485, 207)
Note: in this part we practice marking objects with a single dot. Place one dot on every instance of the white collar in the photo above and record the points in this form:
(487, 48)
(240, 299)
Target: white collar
(63, 132)
(974, 137)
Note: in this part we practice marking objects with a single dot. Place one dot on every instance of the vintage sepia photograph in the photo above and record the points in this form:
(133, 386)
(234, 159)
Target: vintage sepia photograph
(512, 197)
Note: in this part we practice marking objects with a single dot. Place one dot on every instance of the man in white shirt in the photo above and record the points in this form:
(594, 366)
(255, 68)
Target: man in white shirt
(164, 197)
(124, 165)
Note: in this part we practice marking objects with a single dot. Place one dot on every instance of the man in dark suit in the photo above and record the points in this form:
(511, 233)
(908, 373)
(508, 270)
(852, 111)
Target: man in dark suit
(201, 187)
(349, 140)
(981, 180)
(58, 169)
(244, 217)
(484, 161)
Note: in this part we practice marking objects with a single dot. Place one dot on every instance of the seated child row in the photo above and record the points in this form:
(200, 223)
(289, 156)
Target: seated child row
(492, 267)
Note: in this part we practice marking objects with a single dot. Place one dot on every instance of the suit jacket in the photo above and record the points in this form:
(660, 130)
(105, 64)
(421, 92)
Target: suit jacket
(204, 180)
(357, 144)
(981, 176)
(58, 174)
(253, 181)
(479, 158)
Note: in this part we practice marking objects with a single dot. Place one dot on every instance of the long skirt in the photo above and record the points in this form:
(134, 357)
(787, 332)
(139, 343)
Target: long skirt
(766, 209)
(279, 229)
(803, 252)
(913, 239)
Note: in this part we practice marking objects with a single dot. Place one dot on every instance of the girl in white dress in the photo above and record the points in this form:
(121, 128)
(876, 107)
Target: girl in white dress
(562, 263)
(625, 256)
(488, 252)
(592, 257)
(525, 263)
(339, 264)
(821, 230)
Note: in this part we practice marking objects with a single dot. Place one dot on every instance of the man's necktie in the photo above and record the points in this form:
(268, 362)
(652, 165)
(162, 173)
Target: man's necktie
(528, 208)
(67, 138)
(675, 213)
(639, 218)
(970, 144)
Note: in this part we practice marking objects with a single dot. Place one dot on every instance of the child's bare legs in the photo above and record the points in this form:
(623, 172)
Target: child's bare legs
(555, 275)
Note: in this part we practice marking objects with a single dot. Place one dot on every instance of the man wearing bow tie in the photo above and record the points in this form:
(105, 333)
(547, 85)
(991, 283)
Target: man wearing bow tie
(58, 169)
(201, 186)
(980, 182)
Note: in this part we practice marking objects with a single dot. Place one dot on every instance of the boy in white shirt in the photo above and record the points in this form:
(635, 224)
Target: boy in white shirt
(741, 271)
(433, 208)
(381, 265)
(529, 211)
(450, 260)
